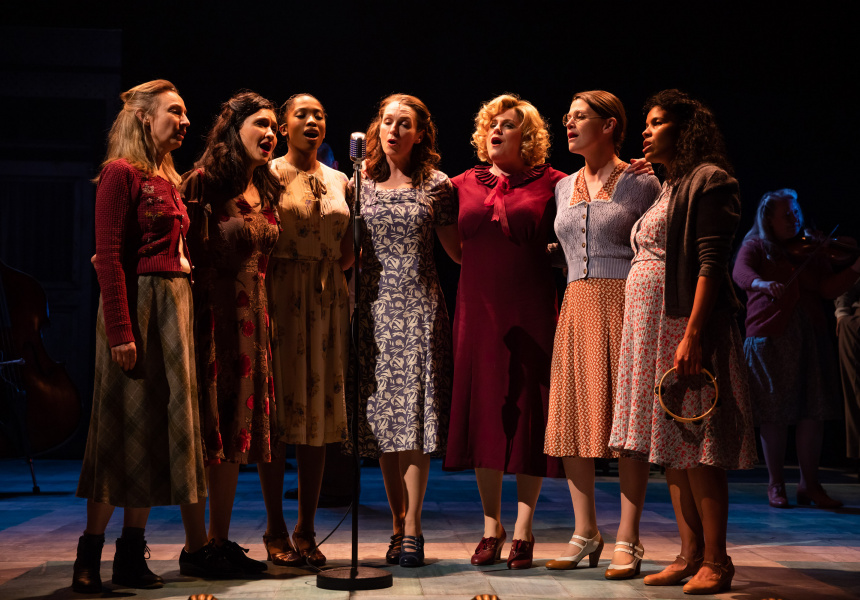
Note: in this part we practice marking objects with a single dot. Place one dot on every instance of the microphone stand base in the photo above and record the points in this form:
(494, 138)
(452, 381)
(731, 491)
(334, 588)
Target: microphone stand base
(354, 578)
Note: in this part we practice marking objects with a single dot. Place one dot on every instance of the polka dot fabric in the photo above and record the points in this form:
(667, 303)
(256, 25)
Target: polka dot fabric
(584, 369)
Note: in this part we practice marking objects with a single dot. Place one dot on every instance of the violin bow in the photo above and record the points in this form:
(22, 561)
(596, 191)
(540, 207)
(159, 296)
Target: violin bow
(805, 263)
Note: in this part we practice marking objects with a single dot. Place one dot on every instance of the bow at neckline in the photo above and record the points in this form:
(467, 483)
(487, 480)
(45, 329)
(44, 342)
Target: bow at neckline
(503, 185)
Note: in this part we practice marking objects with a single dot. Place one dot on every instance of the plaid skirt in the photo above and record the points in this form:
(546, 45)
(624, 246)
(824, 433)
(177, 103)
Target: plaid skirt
(144, 447)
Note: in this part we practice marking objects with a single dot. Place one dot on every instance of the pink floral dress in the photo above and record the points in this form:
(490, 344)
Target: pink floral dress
(640, 426)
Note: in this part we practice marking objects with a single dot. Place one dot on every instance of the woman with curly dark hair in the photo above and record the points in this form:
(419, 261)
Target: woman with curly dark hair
(679, 312)
(505, 320)
(404, 340)
(231, 197)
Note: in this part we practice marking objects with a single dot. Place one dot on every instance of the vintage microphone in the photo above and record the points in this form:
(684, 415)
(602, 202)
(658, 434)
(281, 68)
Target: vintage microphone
(355, 577)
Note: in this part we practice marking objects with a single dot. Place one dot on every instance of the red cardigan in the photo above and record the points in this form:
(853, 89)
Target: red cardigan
(139, 221)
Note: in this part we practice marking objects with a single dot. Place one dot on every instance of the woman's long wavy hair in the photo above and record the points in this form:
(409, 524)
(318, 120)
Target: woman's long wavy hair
(699, 139)
(224, 159)
(534, 148)
(130, 137)
(424, 157)
(762, 228)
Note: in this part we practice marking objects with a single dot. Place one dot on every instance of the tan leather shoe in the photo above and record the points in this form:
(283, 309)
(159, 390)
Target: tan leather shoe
(670, 576)
(712, 578)
(614, 571)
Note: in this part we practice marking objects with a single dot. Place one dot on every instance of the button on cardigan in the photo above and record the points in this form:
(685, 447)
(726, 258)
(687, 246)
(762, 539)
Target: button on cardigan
(139, 222)
(595, 235)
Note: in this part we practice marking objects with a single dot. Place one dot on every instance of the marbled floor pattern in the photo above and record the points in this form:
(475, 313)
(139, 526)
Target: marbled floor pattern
(795, 554)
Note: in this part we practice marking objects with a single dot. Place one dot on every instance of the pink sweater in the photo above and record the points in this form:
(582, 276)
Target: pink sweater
(139, 221)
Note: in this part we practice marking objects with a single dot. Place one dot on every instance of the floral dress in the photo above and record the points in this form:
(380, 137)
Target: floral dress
(404, 335)
(640, 427)
(230, 244)
(309, 304)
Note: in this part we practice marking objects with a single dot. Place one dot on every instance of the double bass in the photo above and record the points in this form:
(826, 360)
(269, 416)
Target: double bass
(40, 408)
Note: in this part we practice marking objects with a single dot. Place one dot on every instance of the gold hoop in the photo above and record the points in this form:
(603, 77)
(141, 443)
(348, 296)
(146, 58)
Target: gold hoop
(658, 391)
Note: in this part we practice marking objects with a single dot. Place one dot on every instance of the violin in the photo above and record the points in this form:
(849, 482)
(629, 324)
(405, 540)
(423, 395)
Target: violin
(839, 251)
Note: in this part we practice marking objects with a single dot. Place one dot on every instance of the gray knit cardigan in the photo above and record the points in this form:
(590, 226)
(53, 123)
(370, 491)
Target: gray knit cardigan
(595, 236)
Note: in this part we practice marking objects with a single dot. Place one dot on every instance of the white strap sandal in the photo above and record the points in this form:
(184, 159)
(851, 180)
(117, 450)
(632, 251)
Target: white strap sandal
(614, 571)
(585, 547)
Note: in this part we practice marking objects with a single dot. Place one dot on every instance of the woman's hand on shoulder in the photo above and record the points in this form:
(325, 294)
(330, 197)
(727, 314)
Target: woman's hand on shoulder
(125, 355)
(774, 289)
(640, 166)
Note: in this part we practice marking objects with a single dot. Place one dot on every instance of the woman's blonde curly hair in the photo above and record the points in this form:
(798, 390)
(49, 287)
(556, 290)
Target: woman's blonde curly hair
(534, 148)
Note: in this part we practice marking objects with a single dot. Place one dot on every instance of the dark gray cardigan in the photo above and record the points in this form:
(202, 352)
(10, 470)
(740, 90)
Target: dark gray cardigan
(703, 215)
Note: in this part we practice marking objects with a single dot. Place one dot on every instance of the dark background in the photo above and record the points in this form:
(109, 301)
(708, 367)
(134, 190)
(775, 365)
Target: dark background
(780, 81)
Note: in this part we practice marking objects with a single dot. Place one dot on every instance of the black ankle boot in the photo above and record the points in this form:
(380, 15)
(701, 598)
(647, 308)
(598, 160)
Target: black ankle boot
(129, 562)
(86, 578)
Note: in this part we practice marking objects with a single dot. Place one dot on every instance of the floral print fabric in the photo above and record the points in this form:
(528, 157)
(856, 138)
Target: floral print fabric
(404, 335)
(232, 325)
(309, 304)
(640, 427)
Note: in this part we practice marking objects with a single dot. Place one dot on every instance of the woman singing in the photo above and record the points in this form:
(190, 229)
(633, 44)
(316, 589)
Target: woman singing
(143, 447)
(404, 341)
(505, 320)
(790, 356)
(309, 304)
(596, 208)
(679, 312)
(231, 196)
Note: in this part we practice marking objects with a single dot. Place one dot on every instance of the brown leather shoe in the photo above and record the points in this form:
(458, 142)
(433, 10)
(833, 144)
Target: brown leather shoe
(628, 570)
(669, 576)
(817, 496)
(307, 547)
(489, 550)
(712, 578)
(776, 495)
(521, 554)
(280, 551)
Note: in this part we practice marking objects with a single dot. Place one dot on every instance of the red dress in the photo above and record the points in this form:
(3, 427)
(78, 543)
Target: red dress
(504, 323)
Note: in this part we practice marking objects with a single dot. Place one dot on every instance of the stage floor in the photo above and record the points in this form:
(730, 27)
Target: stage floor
(794, 554)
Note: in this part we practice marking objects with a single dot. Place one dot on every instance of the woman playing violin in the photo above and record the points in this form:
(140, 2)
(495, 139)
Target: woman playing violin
(791, 361)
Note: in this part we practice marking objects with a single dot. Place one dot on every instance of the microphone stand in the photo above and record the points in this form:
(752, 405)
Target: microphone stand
(355, 577)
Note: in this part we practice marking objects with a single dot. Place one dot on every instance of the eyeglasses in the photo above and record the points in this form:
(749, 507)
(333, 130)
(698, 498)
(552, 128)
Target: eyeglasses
(577, 118)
